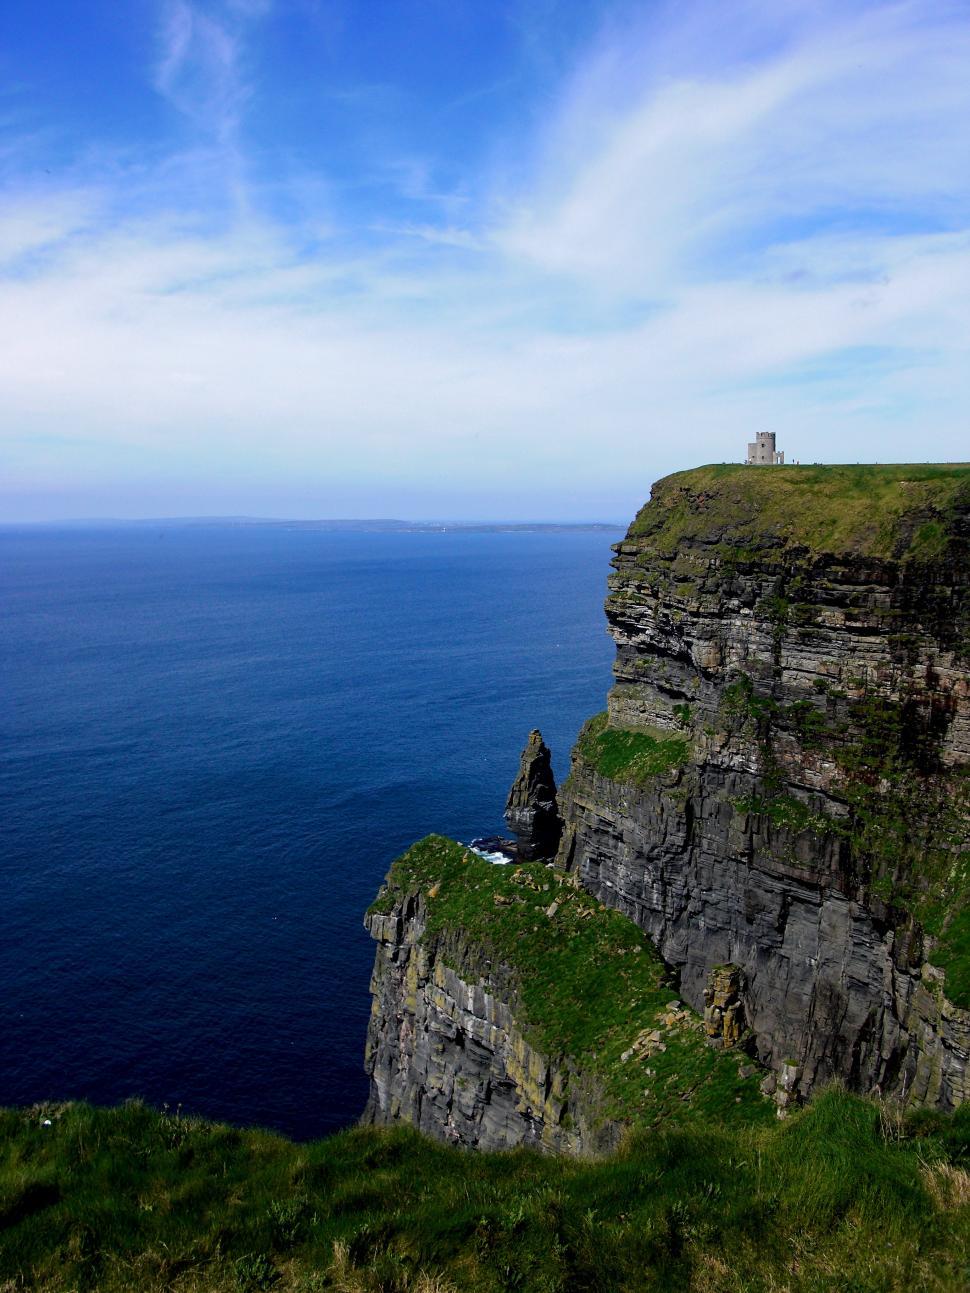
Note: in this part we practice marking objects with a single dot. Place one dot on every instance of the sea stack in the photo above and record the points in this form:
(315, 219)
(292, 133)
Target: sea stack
(532, 812)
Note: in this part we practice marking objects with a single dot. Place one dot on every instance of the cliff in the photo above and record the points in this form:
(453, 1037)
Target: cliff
(509, 1008)
(780, 781)
(777, 796)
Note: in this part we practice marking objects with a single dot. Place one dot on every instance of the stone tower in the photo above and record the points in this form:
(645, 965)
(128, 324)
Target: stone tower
(763, 452)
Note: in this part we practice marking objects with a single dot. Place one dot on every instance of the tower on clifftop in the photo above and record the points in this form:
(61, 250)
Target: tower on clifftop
(762, 452)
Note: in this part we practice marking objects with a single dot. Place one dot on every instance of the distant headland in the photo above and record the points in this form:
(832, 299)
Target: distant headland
(361, 526)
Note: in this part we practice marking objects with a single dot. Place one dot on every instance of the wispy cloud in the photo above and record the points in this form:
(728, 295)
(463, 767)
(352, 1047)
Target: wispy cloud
(443, 235)
(862, 120)
(200, 61)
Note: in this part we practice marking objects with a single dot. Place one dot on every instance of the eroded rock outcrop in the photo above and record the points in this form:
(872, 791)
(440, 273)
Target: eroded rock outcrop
(511, 1008)
(532, 812)
(792, 687)
(724, 1021)
(445, 1050)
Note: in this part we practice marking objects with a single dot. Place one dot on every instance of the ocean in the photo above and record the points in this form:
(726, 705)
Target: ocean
(215, 739)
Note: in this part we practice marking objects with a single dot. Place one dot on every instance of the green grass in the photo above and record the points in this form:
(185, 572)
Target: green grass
(893, 510)
(840, 1196)
(587, 983)
(632, 756)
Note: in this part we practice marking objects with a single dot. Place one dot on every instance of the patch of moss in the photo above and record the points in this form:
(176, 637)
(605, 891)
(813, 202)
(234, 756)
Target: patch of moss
(951, 931)
(784, 810)
(739, 701)
(633, 756)
(587, 980)
(808, 723)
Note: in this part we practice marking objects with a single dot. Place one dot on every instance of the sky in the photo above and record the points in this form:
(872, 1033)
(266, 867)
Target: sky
(484, 259)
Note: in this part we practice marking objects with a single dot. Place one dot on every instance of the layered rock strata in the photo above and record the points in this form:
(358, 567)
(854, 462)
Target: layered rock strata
(445, 1051)
(777, 796)
(792, 665)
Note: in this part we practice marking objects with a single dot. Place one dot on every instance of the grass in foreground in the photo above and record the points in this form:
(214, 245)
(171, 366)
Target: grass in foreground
(588, 984)
(838, 1197)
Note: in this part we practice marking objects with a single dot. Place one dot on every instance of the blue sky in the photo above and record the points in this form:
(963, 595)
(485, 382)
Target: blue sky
(485, 258)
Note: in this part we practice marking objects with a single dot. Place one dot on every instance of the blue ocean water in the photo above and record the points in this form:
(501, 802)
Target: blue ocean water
(214, 742)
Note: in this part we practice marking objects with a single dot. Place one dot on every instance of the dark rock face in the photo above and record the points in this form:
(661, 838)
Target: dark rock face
(532, 812)
(445, 1053)
(817, 831)
(826, 980)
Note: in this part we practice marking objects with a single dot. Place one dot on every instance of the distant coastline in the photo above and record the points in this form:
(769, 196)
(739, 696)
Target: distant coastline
(331, 526)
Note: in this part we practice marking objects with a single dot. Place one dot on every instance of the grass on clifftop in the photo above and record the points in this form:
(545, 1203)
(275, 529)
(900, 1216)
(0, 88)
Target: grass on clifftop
(589, 984)
(884, 510)
(632, 756)
(129, 1200)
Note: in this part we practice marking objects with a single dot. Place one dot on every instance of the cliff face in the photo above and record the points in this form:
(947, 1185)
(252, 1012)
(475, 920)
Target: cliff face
(778, 796)
(445, 1051)
(781, 780)
(510, 1008)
